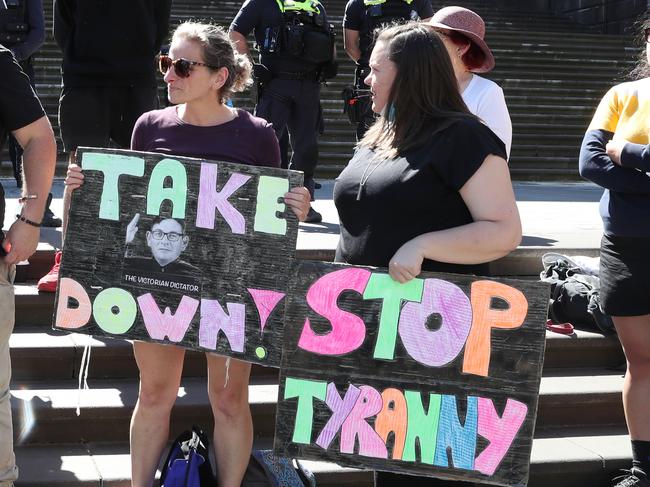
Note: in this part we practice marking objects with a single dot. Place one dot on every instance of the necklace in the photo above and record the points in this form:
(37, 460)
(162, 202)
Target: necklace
(364, 177)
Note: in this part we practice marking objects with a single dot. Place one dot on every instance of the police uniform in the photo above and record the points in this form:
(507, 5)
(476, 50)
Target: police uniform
(290, 92)
(365, 16)
(22, 30)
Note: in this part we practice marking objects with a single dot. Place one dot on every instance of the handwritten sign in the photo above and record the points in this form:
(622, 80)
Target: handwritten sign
(437, 377)
(178, 250)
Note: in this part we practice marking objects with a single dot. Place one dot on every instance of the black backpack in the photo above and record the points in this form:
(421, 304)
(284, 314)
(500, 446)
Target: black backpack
(307, 36)
(13, 26)
(575, 296)
(265, 469)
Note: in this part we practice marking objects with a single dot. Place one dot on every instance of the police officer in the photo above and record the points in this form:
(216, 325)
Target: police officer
(296, 45)
(362, 18)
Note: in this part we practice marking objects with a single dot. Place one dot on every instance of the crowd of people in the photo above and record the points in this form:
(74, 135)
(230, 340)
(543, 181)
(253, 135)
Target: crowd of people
(432, 134)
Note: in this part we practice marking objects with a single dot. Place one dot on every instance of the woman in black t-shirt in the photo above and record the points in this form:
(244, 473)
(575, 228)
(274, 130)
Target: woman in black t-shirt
(428, 187)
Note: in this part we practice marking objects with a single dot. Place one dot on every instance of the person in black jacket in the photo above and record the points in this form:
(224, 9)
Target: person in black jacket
(109, 75)
(22, 31)
(362, 18)
(297, 52)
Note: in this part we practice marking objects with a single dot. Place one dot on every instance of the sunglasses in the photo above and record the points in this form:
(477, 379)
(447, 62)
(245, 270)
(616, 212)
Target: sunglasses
(182, 67)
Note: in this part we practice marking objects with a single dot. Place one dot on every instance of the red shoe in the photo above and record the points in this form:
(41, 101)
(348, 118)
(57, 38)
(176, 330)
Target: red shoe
(49, 281)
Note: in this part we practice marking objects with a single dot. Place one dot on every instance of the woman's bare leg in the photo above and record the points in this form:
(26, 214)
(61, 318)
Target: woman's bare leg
(233, 424)
(160, 376)
(634, 333)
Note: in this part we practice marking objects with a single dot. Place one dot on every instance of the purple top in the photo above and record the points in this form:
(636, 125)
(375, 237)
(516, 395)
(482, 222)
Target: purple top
(244, 140)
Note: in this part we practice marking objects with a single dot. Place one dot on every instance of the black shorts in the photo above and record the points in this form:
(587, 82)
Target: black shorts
(625, 275)
(94, 116)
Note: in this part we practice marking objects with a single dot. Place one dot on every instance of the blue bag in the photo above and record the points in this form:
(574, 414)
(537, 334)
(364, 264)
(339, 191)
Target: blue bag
(188, 462)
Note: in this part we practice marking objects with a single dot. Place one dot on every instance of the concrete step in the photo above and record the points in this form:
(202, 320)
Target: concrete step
(548, 150)
(39, 353)
(108, 465)
(44, 410)
(32, 307)
(564, 399)
(575, 461)
(41, 261)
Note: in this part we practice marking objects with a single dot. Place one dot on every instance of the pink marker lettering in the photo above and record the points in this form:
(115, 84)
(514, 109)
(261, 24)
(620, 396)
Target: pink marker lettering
(368, 404)
(340, 410)
(348, 330)
(160, 325)
(214, 319)
(210, 198)
(500, 432)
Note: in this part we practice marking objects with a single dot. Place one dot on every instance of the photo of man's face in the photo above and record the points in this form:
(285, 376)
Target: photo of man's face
(166, 240)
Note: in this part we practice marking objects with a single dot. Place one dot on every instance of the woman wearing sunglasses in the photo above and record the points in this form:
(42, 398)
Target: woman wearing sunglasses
(615, 155)
(202, 71)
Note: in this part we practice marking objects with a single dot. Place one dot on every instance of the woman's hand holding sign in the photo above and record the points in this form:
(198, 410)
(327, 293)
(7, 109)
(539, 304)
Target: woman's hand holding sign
(298, 199)
(74, 178)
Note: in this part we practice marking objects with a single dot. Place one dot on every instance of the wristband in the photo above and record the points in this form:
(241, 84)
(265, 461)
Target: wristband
(26, 197)
(29, 222)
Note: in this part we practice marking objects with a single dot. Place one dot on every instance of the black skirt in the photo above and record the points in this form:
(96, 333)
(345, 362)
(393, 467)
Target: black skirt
(625, 275)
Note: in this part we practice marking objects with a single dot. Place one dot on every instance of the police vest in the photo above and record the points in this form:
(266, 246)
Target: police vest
(13, 27)
(304, 34)
(381, 12)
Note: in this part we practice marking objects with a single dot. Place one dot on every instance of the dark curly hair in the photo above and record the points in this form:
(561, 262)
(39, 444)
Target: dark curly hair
(642, 68)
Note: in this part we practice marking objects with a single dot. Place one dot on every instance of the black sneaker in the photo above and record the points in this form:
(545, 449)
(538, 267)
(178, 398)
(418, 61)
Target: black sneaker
(632, 478)
(49, 219)
(313, 216)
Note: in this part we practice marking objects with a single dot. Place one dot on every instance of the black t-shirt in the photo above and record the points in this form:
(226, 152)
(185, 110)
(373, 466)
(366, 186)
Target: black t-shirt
(410, 195)
(259, 15)
(19, 105)
(357, 18)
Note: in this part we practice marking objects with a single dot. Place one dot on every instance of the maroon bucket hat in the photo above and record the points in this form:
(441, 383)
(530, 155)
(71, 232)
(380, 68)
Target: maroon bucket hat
(469, 24)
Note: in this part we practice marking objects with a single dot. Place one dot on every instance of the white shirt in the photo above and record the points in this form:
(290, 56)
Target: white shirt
(485, 99)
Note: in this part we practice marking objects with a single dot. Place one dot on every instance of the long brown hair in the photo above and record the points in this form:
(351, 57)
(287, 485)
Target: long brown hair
(424, 98)
(642, 69)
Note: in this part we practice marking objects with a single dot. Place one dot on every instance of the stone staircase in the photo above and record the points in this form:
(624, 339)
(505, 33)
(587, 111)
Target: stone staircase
(553, 73)
(552, 79)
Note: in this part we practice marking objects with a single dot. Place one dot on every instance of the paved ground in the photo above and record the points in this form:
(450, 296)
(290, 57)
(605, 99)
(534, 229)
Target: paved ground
(559, 217)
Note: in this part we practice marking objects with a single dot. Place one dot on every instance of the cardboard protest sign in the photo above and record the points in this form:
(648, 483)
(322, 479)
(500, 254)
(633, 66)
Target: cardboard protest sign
(436, 377)
(178, 250)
